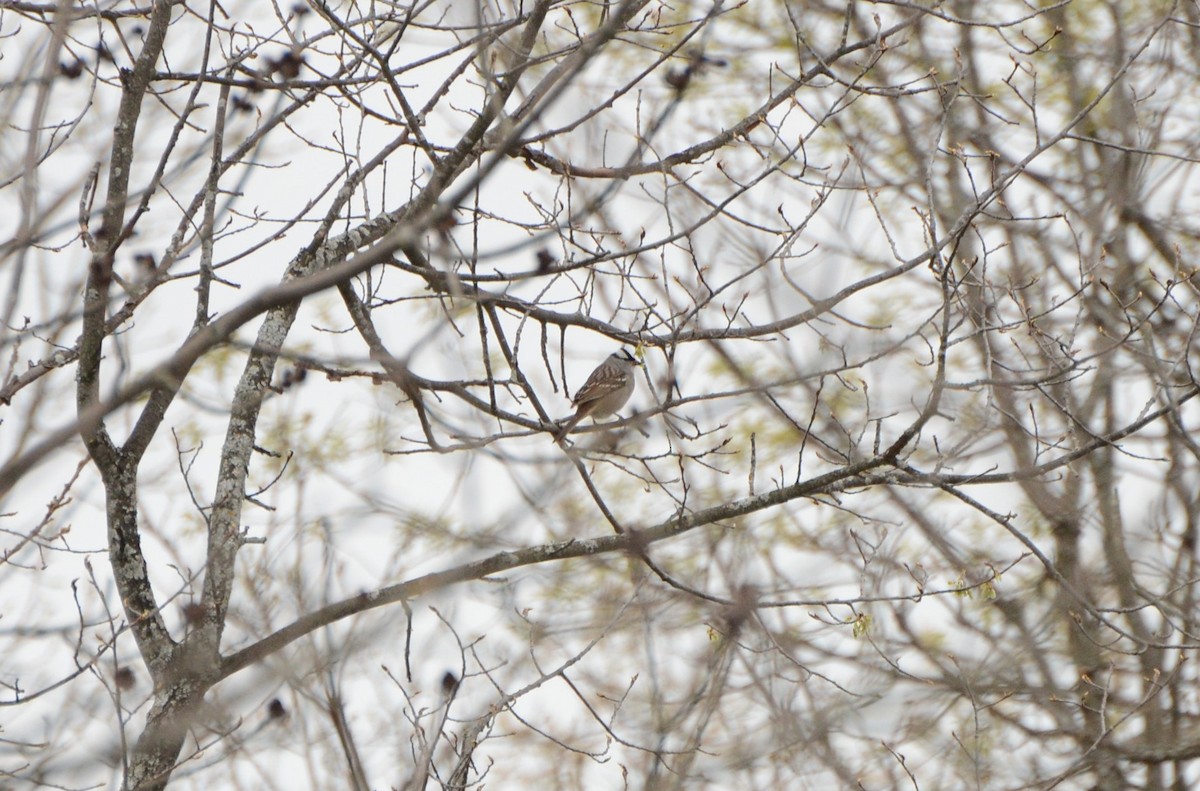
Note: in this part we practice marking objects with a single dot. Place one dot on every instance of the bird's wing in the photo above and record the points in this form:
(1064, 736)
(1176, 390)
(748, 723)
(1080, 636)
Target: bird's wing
(603, 381)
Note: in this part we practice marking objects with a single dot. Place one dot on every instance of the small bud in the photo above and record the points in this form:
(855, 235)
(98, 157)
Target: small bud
(193, 612)
(71, 70)
(125, 678)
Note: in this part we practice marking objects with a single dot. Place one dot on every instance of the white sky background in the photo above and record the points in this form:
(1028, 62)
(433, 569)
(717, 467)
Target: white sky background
(382, 511)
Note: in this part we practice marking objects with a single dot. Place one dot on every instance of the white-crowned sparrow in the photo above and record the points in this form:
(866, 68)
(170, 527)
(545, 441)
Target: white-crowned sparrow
(604, 392)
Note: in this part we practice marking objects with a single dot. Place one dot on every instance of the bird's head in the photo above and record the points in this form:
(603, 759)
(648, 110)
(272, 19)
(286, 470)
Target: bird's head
(625, 355)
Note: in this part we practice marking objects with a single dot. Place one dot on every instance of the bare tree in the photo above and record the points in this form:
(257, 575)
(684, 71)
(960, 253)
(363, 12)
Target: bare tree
(906, 494)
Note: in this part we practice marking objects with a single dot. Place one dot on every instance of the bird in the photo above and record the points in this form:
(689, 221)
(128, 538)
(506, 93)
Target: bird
(604, 392)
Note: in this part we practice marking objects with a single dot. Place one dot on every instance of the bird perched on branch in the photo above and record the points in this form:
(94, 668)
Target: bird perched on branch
(604, 392)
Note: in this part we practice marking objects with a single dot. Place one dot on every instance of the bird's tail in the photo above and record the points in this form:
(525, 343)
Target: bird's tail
(566, 427)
